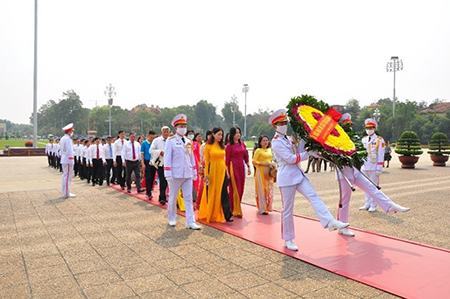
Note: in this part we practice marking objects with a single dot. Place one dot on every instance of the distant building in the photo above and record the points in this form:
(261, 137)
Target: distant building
(437, 108)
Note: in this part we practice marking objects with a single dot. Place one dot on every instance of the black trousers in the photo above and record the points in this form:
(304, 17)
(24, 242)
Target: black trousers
(98, 171)
(59, 164)
(149, 178)
(49, 159)
(133, 166)
(76, 166)
(89, 171)
(119, 172)
(162, 184)
(53, 157)
(82, 170)
(108, 168)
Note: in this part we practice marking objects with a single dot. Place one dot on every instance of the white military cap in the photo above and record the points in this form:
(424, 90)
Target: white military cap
(68, 127)
(179, 119)
(346, 118)
(370, 123)
(278, 116)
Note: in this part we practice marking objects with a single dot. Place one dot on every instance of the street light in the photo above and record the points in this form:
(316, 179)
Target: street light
(394, 65)
(245, 89)
(233, 108)
(110, 93)
(377, 115)
(35, 75)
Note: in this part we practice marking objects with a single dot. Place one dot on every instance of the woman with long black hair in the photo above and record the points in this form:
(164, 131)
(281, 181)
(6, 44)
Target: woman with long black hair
(215, 204)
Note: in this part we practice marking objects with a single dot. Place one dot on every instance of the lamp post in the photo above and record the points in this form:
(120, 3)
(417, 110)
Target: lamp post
(35, 129)
(245, 89)
(110, 92)
(233, 108)
(377, 115)
(394, 65)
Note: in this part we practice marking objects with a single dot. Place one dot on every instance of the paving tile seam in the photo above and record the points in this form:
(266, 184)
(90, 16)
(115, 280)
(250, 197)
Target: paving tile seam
(103, 259)
(131, 250)
(21, 253)
(80, 289)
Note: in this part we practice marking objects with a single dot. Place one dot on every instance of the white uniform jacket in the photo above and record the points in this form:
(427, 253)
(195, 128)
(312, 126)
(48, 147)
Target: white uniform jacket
(179, 162)
(288, 157)
(375, 152)
(66, 150)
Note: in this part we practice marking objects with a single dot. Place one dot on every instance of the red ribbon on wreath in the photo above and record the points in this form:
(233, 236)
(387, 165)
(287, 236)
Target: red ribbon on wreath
(325, 125)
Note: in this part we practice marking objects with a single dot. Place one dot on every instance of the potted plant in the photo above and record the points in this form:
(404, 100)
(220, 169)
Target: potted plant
(408, 148)
(439, 149)
(28, 143)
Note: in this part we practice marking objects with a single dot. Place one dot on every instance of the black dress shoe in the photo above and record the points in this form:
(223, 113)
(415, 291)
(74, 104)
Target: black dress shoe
(140, 191)
(129, 190)
(123, 188)
(162, 202)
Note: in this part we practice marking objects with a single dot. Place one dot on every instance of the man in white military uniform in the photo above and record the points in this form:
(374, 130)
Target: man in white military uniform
(350, 175)
(290, 178)
(179, 171)
(157, 162)
(67, 160)
(373, 167)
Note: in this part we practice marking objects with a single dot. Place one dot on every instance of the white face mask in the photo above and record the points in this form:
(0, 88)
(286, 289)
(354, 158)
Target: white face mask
(181, 131)
(282, 129)
(190, 136)
(370, 131)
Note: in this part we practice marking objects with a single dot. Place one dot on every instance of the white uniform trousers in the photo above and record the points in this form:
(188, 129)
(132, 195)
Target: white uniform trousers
(372, 175)
(186, 187)
(66, 179)
(358, 180)
(287, 214)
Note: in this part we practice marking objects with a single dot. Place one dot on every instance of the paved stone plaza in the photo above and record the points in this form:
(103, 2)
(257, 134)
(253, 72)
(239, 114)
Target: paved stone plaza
(106, 244)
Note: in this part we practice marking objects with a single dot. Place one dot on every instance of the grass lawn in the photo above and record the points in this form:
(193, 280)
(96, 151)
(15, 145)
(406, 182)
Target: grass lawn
(18, 143)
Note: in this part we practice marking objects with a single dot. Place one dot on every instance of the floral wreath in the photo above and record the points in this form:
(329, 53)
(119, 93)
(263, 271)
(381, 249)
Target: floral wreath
(316, 122)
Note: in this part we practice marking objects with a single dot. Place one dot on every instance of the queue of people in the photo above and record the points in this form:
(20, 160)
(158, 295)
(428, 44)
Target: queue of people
(210, 175)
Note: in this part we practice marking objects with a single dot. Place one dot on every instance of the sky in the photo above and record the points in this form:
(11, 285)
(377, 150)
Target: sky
(171, 52)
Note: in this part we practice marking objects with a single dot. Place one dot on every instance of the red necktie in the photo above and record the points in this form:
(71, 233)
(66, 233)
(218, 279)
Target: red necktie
(98, 153)
(134, 154)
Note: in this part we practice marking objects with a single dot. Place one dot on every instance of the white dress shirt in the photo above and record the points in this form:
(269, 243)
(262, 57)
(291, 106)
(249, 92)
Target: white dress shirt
(127, 151)
(108, 151)
(93, 152)
(117, 148)
(156, 148)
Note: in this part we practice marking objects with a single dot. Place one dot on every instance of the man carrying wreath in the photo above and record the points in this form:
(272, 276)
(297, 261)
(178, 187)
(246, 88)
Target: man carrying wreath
(290, 178)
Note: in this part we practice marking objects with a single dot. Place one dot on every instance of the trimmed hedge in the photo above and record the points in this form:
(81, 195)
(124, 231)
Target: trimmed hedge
(408, 144)
(439, 144)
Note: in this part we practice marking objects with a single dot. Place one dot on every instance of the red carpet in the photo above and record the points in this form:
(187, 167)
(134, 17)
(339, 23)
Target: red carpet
(400, 267)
